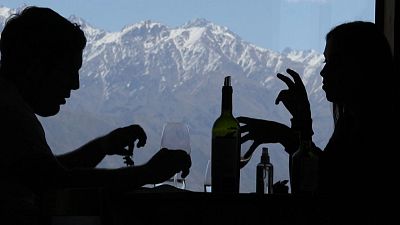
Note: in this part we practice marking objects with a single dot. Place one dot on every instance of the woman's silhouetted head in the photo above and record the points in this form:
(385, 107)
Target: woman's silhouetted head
(359, 68)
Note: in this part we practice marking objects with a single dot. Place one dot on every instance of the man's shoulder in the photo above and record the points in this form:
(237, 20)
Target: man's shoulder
(11, 103)
(9, 94)
(16, 117)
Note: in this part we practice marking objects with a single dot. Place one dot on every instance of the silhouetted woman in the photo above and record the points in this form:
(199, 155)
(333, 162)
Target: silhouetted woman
(358, 78)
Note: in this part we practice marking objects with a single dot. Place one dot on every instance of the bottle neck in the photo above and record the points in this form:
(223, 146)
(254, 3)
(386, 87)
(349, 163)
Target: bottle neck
(305, 143)
(226, 106)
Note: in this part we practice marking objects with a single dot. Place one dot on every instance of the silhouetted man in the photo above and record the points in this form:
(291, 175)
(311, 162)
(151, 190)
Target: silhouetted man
(41, 54)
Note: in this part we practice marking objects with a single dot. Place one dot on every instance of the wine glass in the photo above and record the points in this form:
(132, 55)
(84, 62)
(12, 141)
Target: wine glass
(175, 136)
(247, 150)
(207, 177)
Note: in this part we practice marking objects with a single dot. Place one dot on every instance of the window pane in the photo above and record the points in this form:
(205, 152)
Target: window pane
(149, 62)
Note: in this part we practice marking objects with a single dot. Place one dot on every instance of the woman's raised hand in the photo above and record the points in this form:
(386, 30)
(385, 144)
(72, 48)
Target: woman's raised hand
(295, 97)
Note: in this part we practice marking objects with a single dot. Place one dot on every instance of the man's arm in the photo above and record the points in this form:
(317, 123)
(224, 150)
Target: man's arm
(87, 156)
(114, 143)
(163, 165)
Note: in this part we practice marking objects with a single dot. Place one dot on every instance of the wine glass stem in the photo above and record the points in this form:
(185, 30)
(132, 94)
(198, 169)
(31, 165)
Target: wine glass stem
(176, 180)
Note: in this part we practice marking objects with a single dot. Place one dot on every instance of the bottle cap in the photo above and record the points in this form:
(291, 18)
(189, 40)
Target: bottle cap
(264, 155)
(227, 81)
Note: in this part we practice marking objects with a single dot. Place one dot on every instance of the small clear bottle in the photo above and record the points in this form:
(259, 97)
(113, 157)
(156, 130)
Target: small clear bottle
(264, 174)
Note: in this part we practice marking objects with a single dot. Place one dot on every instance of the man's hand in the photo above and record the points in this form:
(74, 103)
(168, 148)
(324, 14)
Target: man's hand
(166, 163)
(117, 140)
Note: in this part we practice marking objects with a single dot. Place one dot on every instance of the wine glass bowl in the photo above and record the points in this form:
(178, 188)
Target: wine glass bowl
(175, 136)
(247, 150)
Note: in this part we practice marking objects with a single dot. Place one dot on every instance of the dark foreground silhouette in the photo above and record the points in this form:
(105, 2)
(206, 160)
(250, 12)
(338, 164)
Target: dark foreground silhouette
(41, 54)
(356, 166)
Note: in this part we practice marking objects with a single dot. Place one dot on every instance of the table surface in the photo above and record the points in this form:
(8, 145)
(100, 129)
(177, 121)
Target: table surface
(163, 204)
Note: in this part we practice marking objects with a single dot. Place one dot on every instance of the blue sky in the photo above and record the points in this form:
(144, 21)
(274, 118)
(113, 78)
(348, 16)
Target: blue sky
(273, 24)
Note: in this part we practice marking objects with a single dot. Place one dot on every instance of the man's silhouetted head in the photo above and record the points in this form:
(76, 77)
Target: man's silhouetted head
(41, 54)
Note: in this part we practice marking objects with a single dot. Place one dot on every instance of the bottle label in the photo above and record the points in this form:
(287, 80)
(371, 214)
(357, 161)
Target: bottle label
(225, 165)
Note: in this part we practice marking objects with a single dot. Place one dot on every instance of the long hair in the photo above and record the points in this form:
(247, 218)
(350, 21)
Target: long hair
(372, 84)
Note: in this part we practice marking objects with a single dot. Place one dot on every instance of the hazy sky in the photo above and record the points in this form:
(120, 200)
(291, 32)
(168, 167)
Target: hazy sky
(273, 24)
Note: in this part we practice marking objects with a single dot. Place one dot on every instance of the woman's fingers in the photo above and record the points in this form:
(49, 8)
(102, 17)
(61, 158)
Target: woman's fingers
(295, 75)
(287, 80)
(245, 138)
(297, 80)
(282, 96)
(243, 119)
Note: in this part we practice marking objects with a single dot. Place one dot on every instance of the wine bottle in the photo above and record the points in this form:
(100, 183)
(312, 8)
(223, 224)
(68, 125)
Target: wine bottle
(304, 175)
(264, 174)
(225, 147)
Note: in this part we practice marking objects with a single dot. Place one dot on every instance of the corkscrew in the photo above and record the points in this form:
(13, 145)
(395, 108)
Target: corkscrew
(128, 159)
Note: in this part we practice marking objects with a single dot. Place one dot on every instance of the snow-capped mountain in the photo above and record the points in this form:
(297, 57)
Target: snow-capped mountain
(149, 73)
